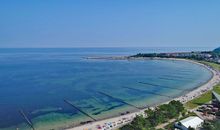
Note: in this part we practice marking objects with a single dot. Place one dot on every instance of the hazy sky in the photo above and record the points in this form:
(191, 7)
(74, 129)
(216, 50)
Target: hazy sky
(102, 23)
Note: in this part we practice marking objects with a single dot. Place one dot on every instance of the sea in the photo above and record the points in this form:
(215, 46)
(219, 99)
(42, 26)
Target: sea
(56, 88)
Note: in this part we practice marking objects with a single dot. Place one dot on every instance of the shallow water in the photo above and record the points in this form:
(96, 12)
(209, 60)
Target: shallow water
(37, 81)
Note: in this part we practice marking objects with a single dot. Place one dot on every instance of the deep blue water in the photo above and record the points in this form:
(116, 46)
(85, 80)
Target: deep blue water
(36, 79)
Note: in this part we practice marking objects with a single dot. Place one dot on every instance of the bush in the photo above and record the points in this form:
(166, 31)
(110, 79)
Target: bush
(154, 117)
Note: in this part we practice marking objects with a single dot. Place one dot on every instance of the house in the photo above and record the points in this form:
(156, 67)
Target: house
(215, 99)
(190, 122)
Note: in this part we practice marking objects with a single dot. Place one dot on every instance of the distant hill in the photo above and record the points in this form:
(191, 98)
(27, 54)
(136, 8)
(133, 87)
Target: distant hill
(217, 50)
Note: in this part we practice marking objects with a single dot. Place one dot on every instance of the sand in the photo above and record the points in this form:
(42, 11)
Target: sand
(116, 122)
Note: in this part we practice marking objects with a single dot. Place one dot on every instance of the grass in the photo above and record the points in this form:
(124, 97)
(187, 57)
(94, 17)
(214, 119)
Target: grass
(204, 98)
(213, 65)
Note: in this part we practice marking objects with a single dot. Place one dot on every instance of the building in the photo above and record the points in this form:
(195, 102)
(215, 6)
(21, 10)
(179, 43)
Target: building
(215, 99)
(190, 122)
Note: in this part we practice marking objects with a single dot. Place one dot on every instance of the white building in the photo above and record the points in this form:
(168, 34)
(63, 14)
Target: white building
(192, 121)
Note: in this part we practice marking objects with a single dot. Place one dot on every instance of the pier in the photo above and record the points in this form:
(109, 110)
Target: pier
(71, 104)
(153, 93)
(176, 76)
(155, 85)
(120, 100)
(172, 78)
(27, 120)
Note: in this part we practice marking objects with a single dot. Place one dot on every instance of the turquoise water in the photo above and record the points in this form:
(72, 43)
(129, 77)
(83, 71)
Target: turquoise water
(38, 80)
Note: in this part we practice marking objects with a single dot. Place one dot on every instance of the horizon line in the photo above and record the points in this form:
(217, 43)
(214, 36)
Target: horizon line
(108, 47)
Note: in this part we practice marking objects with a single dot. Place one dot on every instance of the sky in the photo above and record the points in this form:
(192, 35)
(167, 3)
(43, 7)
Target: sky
(109, 23)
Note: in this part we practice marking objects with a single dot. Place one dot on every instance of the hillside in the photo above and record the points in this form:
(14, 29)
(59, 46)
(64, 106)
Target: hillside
(217, 50)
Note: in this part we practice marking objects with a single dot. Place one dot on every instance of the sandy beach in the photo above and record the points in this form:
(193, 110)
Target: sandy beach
(109, 64)
(116, 122)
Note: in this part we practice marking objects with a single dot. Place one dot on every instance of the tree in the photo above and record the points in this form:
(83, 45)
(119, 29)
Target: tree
(154, 117)
(190, 128)
(127, 127)
(207, 126)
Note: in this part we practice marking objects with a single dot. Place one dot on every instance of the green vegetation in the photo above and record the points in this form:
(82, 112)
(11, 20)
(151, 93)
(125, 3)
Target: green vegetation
(155, 117)
(152, 55)
(217, 50)
(210, 56)
(214, 125)
(204, 98)
(211, 64)
(173, 110)
(201, 56)
(170, 126)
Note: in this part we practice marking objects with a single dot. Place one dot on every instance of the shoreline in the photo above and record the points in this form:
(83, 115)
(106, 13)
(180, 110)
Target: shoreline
(121, 120)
